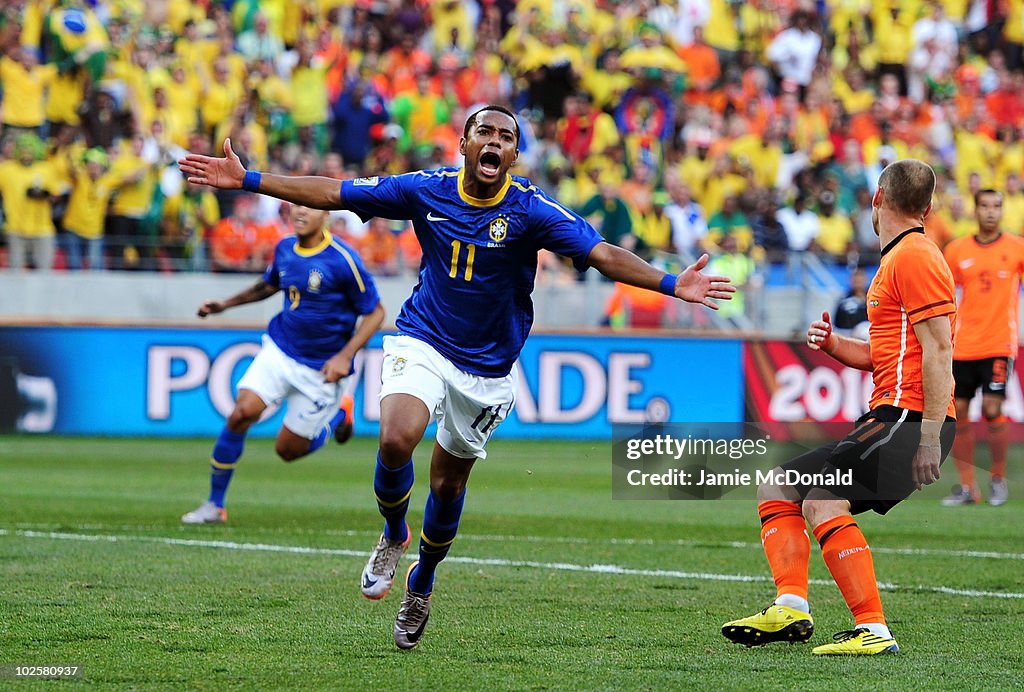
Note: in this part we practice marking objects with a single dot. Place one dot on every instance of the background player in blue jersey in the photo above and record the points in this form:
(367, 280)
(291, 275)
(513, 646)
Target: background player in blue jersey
(306, 354)
(462, 328)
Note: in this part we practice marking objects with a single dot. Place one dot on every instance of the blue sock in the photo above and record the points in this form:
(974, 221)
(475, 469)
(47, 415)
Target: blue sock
(326, 432)
(440, 524)
(226, 451)
(393, 488)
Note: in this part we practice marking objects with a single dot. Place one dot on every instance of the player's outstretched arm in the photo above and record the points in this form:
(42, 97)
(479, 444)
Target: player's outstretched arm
(340, 364)
(227, 173)
(853, 353)
(255, 293)
(692, 286)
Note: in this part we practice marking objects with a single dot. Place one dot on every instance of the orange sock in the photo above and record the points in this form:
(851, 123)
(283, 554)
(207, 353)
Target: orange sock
(785, 541)
(963, 453)
(998, 443)
(848, 558)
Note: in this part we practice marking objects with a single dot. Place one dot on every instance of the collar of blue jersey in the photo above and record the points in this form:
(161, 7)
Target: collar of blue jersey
(310, 251)
(476, 201)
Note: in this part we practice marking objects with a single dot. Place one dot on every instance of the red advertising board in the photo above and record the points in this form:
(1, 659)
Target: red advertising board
(789, 384)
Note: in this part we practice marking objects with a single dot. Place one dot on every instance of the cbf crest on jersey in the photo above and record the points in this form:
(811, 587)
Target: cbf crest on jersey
(315, 279)
(498, 231)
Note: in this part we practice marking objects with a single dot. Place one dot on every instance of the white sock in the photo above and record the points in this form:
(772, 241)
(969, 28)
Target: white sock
(795, 602)
(877, 628)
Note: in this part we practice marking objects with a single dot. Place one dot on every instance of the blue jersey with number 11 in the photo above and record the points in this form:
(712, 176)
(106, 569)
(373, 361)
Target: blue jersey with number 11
(472, 302)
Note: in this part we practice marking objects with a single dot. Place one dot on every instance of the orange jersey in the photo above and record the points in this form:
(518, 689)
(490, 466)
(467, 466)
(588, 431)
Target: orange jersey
(913, 284)
(989, 279)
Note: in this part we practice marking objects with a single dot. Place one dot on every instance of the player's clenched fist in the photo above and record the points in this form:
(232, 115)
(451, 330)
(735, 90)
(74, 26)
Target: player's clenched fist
(210, 307)
(819, 334)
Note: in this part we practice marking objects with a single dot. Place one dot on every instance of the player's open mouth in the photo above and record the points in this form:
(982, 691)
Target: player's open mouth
(489, 164)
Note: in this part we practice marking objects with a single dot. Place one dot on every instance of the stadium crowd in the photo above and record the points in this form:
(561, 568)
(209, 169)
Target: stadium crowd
(752, 130)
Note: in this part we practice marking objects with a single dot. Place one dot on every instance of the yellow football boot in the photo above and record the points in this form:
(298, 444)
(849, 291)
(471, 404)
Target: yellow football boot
(858, 642)
(776, 623)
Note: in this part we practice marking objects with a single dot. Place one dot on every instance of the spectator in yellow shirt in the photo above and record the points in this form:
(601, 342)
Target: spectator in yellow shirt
(187, 220)
(1013, 205)
(127, 247)
(28, 186)
(585, 130)
(220, 95)
(895, 24)
(183, 96)
(309, 92)
(728, 257)
(835, 231)
(654, 227)
(24, 82)
(92, 187)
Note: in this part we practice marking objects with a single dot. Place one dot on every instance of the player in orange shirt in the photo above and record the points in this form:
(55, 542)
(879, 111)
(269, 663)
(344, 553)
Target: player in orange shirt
(896, 447)
(987, 266)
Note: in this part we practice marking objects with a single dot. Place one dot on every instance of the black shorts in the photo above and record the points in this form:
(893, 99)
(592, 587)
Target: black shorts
(988, 373)
(878, 455)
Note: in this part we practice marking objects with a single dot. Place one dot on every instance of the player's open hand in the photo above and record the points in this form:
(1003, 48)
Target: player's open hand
(210, 307)
(337, 368)
(819, 334)
(694, 287)
(925, 469)
(226, 173)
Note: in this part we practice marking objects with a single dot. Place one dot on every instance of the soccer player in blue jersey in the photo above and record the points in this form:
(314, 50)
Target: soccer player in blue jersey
(461, 330)
(331, 309)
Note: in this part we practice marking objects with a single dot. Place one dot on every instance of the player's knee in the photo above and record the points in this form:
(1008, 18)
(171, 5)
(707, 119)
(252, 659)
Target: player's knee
(240, 420)
(289, 451)
(991, 411)
(447, 489)
(819, 511)
(396, 445)
(769, 490)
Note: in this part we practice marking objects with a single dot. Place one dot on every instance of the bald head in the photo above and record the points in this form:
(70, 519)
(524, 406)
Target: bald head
(907, 186)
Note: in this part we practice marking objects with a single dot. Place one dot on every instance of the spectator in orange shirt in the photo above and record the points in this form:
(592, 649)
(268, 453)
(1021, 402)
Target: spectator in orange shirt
(410, 250)
(704, 67)
(379, 249)
(864, 125)
(1006, 103)
(629, 306)
(968, 90)
(403, 63)
(238, 243)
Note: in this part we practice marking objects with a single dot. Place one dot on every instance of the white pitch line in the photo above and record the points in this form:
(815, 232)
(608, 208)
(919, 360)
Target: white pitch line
(493, 562)
(565, 540)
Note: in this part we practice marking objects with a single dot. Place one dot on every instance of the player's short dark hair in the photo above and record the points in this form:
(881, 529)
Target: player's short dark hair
(471, 120)
(909, 185)
(987, 191)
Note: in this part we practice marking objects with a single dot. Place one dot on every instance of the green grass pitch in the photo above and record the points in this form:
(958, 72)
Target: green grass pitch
(551, 584)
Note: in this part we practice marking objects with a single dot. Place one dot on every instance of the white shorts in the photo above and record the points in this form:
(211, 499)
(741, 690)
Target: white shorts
(468, 408)
(276, 377)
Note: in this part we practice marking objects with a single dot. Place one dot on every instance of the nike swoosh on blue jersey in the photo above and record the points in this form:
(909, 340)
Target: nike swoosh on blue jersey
(431, 217)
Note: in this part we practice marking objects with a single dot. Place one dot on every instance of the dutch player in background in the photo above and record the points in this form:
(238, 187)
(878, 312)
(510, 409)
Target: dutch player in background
(461, 330)
(331, 309)
(987, 267)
